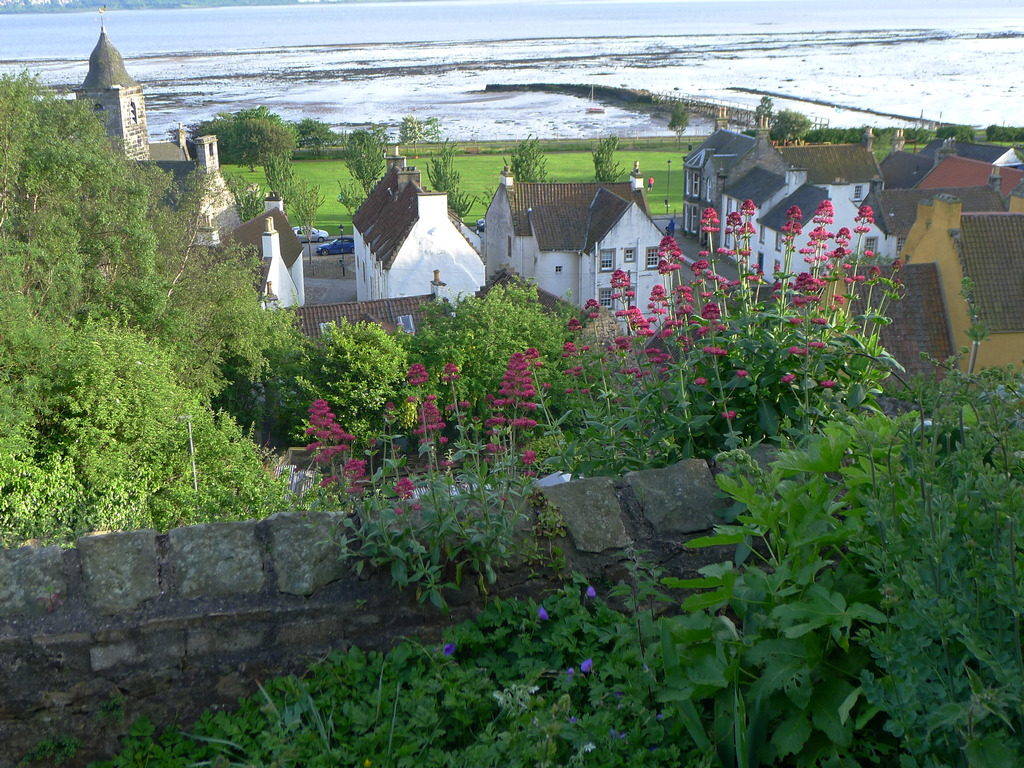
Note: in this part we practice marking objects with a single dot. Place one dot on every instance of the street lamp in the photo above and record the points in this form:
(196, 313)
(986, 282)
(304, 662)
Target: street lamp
(669, 184)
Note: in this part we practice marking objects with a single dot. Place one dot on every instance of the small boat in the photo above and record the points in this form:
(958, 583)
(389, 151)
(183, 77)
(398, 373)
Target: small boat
(592, 108)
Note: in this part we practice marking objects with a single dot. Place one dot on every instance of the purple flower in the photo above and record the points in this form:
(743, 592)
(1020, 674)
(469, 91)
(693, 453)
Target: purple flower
(449, 649)
(573, 719)
(542, 614)
(570, 672)
(591, 593)
(587, 666)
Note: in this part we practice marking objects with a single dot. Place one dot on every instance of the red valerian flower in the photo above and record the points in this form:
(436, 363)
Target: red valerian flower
(417, 375)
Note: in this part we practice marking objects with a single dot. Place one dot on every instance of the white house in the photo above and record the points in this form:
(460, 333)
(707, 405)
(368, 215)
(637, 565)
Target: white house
(569, 238)
(270, 235)
(406, 239)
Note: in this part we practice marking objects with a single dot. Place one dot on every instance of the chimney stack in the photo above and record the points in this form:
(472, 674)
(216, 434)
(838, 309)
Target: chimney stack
(995, 180)
(869, 139)
(183, 141)
(273, 202)
(898, 141)
(722, 121)
(394, 160)
(207, 155)
(636, 177)
(506, 178)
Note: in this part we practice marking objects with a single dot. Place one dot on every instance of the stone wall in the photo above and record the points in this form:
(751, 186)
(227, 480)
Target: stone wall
(167, 625)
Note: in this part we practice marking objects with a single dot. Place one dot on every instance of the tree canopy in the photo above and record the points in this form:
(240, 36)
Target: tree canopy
(680, 120)
(528, 161)
(605, 167)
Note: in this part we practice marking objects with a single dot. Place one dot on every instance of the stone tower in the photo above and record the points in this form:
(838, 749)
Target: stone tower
(117, 97)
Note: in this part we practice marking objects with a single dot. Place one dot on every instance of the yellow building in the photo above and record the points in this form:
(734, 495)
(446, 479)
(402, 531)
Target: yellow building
(988, 248)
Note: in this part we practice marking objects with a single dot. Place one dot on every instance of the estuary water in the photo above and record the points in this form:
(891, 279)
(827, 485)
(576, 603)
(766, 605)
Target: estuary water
(351, 64)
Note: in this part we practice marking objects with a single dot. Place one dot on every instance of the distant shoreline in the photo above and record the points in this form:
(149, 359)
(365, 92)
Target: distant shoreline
(90, 6)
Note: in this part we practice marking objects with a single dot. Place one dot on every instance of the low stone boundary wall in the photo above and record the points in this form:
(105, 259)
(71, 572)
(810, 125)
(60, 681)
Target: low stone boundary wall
(167, 625)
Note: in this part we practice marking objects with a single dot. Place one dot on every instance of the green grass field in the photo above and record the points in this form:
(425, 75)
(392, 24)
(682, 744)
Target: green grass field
(480, 174)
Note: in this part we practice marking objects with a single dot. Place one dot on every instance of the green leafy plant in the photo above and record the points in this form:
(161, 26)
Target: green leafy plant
(55, 749)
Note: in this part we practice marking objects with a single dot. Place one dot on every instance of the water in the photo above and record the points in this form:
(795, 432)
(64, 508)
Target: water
(354, 63)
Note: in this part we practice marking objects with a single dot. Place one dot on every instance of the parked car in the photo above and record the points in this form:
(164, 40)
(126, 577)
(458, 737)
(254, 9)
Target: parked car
(314, 234)
(341, 245)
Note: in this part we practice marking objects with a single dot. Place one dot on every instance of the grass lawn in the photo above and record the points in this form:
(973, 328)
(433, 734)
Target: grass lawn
(480, 174)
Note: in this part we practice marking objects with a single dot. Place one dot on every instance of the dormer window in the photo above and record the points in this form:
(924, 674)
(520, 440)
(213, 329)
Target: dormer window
(134, 113)
(858, 193)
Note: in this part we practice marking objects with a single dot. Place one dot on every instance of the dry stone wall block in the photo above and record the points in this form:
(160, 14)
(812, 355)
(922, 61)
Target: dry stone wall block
(305, 549)
(216, 559)
(119, 570)
(678, 500)
(29, 578)
(591, 512)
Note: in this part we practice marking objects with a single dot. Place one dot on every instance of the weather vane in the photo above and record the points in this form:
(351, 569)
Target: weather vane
(102, 11)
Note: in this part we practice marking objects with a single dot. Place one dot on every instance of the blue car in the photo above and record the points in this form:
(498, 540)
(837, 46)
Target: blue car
(341, 245)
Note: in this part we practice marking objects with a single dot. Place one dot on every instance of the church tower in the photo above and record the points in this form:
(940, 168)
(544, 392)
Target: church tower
(117, 98)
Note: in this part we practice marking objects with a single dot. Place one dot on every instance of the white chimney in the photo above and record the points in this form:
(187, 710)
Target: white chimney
(506, 178)
(273, 202)
(271, 246)
(636, 177)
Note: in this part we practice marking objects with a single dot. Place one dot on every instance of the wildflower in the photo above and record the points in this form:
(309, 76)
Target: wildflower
(542, 614)
(569, 673)
(404, 488)
(449, 649)
(797, 351)
(591, 593)
(529, 457)
(828, 383)
(587, 666)
(574, 325)
(742, 373)
(451, 373)
(417, 375)
(728, 415)
(788, 378)
(700, 381)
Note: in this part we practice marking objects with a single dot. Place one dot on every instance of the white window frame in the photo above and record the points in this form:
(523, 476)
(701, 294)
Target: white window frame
(604, 297)
(858, 192)
(558, 269)
(871, 244)
(778, 242)
(651, 258)
(629, 254)
(607, 259)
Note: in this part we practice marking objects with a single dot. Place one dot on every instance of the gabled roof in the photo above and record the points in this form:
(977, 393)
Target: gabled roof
(807, 198)
(384, 312)
(106, 67)
(725, 145)
(834, 163)
(896, 209)
(569, 217)
(991, 250)
(387, 216)
(250, 234)
(167, 152)
(903, 170)
(920, 320)
(757, 185)
(956, 171)
(984, 153)
(506, 278)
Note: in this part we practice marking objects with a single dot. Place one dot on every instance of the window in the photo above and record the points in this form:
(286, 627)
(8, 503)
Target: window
(134, 113)
(694, 183)
(607, 259)
(871, 244)
(900, 242)
(707, 191)
(629, 254)
(760, 236)
(558, 269)
(858, 192)
(652, 258)
(604, 297)
(406, 324)
(778, 241)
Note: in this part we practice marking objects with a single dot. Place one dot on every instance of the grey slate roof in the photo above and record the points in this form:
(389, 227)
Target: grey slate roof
(896, 209)
(106, 67)
(726, 146)
(807, 198)
(167, 152)
(566, 216)
(986, 153)
(834, 163)
(904, 170)
(756, 185)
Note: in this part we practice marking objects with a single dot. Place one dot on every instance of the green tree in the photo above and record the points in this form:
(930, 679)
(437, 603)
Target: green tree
(280, 174)
(357, 369)
(679, 121)
(605, 167)
(315, 135)
(250, 136)
(248, 196)
(432, 129)
(788, 125)
(306, 200)
(444, 178)
(528, 161)
(411, 130)
(479, 336)
(765, 111)
(365, 160)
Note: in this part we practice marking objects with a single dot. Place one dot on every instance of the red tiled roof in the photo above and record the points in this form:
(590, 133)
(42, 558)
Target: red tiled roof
(832, 163)
(991, 250)
(956, 171)
(384, 312)
(560, 214)
(250, 234)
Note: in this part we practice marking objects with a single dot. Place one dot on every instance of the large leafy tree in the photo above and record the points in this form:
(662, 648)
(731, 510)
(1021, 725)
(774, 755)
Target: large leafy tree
(528, 161)
(680, 120)
(364, 156)
(102, 270)
(315, 135)
(250, 136)
(788, 125)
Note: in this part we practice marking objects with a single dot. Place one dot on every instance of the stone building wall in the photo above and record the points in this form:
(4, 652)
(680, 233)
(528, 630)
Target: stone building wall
(167, 625)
